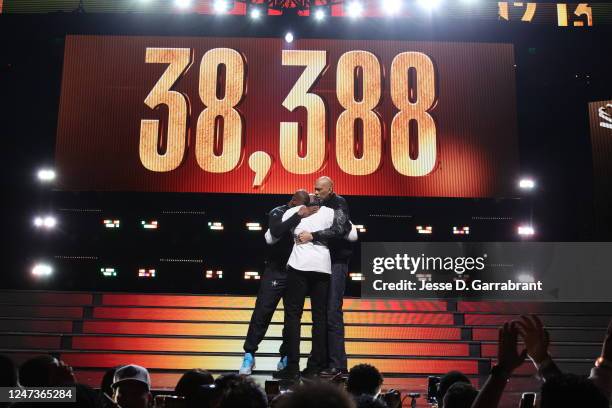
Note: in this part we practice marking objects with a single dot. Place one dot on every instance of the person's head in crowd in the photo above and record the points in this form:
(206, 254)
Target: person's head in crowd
(132, 387)
(447, 381)
(320, 395)
(364, 379)
(190, 382)
(460, 395)
(212, 396)
(45, 371)
(280, 399)
(571, 391)
(243, 392)
(368, 401)
(8, 372)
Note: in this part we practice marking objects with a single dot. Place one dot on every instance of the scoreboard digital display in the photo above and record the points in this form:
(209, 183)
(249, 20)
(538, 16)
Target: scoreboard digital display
(264, 116)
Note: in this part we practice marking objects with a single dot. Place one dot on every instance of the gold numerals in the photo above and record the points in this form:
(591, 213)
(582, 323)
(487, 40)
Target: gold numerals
(219, 138)
(219, 127)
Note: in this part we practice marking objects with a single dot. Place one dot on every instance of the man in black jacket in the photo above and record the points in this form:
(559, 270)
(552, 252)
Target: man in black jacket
(273, 284)
(341, 252)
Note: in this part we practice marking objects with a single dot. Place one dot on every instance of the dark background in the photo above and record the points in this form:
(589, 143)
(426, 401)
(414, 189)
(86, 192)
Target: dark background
(559, 71)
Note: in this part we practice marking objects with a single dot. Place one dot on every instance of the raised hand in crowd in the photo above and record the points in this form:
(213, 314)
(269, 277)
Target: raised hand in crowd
(508, 360)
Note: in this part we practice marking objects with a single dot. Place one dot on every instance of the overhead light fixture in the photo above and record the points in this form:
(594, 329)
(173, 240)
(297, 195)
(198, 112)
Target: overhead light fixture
(354, 9)
(112, 223)
(253, 226)
(182, 4)
(222, 6)
(356, 276)
(461, 230)
(46, 222)
(108, 272)
(42, 269)
(526, 184)
(391, 7)
(252, 275)
(319, 13)
(210, 274)
(424, 229)
(289, 37)
(149, 225)
(215, 226)
(429, 5)
(526, 278)
(46, 175)
(146, 273)
(526, 230)
(255, 13)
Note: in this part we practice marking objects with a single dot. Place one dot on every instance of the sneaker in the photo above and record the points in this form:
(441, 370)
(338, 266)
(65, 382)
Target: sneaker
(248, 363)
(332, 372)
(287, 374)
(310, 373)
(282, 363)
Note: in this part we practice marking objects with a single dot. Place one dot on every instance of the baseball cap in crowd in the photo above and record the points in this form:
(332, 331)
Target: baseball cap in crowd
(131, 372)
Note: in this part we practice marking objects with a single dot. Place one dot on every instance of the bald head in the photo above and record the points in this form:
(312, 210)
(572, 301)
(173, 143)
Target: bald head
(324, 187)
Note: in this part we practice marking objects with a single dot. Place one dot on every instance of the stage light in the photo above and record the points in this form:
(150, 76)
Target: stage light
(429, 4)
(461, 230)
(221, 6)
(253, 226)
(526, 278)
(526, 184)
(526, 230)
(108, 272)
(319, 14)
(42, 269)
(391, 7)
(215, 226)
(182, 4)
(360, 227)
(354, 9)
(252, 275)
(210, 274)
(47, 222)
(357, 276)
(112, 223)
(46, 175)
(149, 225)
(146, 273)
(255, 14)
(424, 229)
(289, 37)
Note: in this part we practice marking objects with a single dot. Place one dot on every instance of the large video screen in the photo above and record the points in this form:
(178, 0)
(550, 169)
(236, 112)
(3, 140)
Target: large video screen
(265, 116)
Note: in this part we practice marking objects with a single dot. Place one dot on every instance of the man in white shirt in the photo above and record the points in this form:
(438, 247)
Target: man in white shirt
(308, 272)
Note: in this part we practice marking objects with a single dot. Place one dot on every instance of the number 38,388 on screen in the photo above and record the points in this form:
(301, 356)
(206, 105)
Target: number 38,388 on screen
(412, 91)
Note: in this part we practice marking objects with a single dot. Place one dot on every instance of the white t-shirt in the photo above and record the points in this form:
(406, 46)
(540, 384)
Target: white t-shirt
(310, 256)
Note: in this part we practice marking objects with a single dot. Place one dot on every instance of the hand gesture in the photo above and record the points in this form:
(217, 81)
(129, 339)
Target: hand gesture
(535, 336)
(507, 355)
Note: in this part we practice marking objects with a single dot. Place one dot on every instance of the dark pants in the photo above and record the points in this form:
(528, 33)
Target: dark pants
(335, 318)
(300, 284)
(271, 290)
